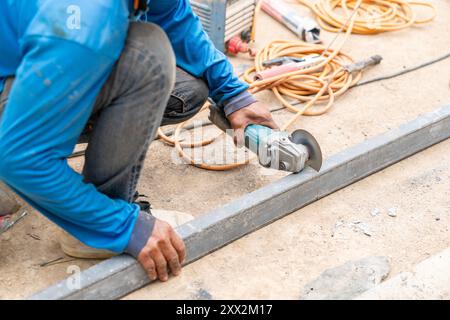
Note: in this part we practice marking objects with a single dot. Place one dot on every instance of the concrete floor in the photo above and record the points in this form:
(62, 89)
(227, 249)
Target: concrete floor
(292, 251)
(281, 258)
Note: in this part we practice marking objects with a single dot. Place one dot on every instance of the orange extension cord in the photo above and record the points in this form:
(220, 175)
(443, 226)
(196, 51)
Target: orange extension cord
(325, 81)
(373, 16)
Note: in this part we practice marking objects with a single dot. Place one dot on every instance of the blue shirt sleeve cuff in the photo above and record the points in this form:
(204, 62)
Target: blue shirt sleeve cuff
(141, 233)
(239, 101)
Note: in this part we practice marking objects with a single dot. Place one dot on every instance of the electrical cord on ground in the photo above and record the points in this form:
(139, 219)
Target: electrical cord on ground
(402, 72)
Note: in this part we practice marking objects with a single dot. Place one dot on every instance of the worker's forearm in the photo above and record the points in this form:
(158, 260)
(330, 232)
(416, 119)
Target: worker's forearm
(238, 102)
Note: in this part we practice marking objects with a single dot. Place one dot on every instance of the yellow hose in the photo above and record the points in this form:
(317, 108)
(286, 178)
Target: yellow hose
(321, 83)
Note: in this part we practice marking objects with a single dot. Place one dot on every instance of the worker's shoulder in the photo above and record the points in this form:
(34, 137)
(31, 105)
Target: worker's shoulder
(100, 25)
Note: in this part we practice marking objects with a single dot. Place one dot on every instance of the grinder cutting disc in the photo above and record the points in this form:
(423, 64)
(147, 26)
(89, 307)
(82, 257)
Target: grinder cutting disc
(315, 154)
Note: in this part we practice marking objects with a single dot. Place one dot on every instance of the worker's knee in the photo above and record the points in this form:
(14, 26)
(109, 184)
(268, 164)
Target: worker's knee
(186, 100)
(148, 58)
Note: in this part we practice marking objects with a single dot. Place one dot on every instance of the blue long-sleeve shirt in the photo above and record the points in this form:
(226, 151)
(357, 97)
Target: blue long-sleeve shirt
(54, 92)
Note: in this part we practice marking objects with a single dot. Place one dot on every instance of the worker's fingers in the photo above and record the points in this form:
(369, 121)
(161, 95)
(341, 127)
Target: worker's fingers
(239, 137)
(164, 250)
(148, 264)
(171, 256)
(263, 117)
(179, 246)
(160, 262)
(270, 122)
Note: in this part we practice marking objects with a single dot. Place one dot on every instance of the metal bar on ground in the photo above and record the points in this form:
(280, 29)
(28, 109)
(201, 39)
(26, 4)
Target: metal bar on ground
(119, 276)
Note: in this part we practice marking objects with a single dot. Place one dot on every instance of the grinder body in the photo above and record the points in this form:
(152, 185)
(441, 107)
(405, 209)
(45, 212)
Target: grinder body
(276, 149)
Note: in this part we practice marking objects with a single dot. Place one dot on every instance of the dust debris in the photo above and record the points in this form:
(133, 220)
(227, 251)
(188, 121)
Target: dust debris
(375, 212)
(392, 212)
(356, 226)
(203, 294)
(348, 280)
(34, 236)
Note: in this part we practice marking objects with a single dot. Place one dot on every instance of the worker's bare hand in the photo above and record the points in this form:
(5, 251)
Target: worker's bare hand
(164, 252)
(256, 113)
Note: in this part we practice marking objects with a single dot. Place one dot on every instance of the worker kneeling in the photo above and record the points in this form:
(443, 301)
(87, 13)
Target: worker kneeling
(109, 80)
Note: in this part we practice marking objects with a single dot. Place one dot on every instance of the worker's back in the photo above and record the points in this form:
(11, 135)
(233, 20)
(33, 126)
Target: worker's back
(91, 23)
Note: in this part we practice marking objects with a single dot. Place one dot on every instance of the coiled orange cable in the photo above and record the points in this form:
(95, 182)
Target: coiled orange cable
(325, 81)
